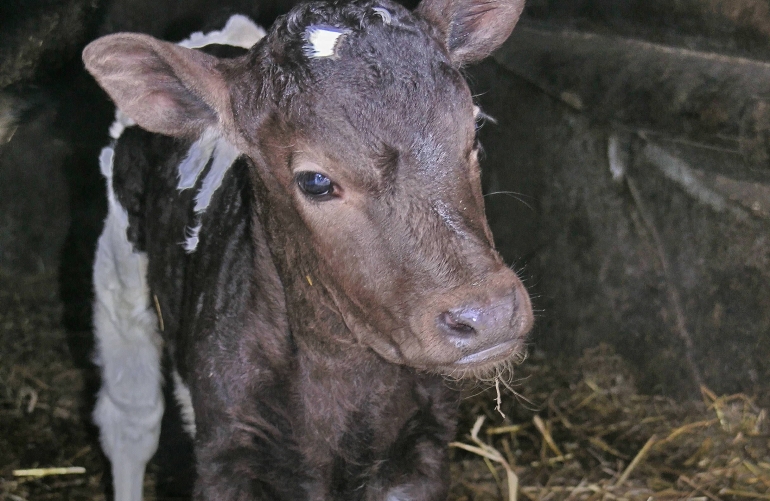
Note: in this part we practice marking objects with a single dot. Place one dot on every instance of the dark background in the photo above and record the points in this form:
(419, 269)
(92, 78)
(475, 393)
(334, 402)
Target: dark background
(627, 173)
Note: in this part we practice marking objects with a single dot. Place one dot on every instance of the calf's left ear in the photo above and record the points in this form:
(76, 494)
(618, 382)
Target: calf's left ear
(165, 88)
(472, 29)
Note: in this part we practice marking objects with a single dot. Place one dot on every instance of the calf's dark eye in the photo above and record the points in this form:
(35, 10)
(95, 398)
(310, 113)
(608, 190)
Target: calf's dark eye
(315, 184)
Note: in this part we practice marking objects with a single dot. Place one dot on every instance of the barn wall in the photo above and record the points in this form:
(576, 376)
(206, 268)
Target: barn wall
(638, 217)
(643, 160)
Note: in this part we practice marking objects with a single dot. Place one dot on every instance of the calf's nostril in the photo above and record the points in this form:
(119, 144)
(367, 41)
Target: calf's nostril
(457, 324)
(491, 318)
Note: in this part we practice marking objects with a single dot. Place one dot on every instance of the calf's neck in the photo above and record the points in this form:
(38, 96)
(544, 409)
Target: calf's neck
(301, 226)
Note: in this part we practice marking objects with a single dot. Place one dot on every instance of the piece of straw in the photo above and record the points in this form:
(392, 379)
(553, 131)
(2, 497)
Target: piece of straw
(47, 472)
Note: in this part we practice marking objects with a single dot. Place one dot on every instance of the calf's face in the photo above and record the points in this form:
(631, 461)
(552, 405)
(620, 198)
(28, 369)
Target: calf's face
(361, 131)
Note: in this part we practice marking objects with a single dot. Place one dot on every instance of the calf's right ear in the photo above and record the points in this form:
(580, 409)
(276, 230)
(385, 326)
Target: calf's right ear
(165, 88)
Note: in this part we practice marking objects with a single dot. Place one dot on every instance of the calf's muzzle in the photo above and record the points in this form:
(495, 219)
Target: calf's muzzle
(481, 324)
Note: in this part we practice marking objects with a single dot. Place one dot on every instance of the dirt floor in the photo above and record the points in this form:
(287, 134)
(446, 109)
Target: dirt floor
(40, 398)
(570, 432)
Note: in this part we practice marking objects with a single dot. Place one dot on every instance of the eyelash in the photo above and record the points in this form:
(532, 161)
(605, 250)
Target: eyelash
(476, 142)
(481, 119)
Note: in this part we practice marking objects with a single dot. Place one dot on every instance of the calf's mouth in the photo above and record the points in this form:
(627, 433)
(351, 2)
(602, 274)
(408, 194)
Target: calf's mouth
(497, 353)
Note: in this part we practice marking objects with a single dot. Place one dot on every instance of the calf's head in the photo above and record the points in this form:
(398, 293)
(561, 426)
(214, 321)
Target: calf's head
(360, 129)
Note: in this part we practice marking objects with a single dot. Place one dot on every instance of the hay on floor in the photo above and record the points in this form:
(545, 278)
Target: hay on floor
(583, 433)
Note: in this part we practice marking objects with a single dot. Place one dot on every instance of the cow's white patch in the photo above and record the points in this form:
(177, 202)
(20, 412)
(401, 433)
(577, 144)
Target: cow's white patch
(322, 40)
(239, 31)
(192, 238)
(224, 156)
(184, 399)
(130, 405)
(197, 157)
(119, 125)
(383, 13)
(210, 149)
(130, 402)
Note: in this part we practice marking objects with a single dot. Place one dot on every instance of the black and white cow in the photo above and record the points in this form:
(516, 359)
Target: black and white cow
(301, 226)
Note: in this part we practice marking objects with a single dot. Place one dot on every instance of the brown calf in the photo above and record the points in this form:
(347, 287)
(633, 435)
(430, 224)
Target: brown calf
(304, 223)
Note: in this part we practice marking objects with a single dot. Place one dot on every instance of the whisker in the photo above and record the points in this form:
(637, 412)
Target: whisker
(512, 194)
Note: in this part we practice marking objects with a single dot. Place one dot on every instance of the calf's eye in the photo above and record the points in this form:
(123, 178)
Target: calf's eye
(315, 184)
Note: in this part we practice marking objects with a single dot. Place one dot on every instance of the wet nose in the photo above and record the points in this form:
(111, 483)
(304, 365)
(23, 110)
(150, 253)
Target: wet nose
(489, 319)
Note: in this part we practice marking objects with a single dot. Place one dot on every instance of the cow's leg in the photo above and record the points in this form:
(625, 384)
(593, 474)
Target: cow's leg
(130, 403)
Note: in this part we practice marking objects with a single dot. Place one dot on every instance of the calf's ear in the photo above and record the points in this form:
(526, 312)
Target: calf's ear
(165, 88)
(472, 29)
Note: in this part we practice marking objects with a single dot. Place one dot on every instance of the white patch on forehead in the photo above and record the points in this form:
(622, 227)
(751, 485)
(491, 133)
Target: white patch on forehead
(239, 31)
(383, 13)
(322, 40)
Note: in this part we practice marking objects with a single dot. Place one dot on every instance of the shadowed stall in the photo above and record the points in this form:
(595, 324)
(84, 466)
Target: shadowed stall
(626, 176)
